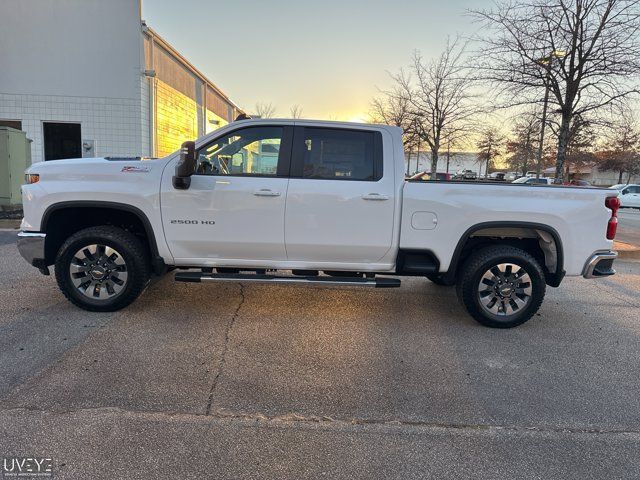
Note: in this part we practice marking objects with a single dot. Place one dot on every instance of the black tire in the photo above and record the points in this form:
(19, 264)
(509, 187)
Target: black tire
(131, 252)
(438, 279)
(473, 285)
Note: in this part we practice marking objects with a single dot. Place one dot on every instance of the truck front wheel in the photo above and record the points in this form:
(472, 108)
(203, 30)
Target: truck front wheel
(102, 269)
(501, 286)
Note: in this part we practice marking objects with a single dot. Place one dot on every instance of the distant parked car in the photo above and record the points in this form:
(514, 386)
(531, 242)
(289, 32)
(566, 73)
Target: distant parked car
(499, 176)
(531, 173)
(629, 195)
(440, 177)
(534, 181)
(578, 183)
(511, 176)
(467, 175)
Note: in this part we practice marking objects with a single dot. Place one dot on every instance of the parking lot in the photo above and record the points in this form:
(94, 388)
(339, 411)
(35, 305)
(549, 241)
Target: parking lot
(229, 381)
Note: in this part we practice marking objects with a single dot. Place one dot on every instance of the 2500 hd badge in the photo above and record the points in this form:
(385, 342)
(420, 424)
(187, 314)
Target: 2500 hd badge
(193, 222)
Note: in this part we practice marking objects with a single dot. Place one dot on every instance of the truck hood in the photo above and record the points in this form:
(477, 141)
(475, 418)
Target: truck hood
(98, 166)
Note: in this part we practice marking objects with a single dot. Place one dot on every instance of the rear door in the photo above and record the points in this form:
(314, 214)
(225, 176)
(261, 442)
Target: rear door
(340, 201)
(234, 208)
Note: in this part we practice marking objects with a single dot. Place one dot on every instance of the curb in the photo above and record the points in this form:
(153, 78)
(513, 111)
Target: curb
(627, 251)
(10, 223)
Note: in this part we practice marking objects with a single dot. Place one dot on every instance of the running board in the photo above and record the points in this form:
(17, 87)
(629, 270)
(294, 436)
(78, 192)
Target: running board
(239, 277)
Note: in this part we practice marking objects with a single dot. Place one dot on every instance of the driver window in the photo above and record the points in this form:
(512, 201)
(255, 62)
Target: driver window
(249, 151)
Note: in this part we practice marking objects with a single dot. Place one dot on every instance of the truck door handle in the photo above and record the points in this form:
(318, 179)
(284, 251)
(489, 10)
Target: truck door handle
(266, 192)
(375, 196)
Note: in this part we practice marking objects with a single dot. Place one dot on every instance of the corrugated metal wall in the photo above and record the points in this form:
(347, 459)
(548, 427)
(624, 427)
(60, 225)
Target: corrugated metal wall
(185, 108)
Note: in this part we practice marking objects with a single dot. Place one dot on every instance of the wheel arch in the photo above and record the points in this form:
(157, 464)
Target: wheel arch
(507, 230)
(108, 211)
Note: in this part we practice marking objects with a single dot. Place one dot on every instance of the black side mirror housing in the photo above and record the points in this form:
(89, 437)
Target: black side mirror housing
(186, 166)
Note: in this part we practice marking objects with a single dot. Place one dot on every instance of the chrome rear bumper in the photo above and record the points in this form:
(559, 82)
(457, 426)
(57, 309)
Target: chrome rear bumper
(31, 247)
(600, 265)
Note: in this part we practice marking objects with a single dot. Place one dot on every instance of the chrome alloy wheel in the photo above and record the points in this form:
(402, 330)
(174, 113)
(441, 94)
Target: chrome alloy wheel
(99, 272)
(505, 289)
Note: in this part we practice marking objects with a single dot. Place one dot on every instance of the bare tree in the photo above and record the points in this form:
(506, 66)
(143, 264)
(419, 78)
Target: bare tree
(490, 145)
(296, 111)
(393, 108)
(521, 149)
(581, 142)
(587, 52)
(455, 138)
(624, 157)
(265, 110)
(439, 95)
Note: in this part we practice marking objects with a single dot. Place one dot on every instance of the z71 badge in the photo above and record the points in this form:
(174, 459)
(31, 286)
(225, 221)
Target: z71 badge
(193, 222)
(135, 169)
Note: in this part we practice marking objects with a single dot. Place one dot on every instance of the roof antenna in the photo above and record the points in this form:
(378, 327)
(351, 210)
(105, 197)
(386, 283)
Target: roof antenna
(242, 116)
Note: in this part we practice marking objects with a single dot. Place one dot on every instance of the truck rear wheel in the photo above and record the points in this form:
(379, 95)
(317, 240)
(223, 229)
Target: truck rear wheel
(501, 286)
(102, 269)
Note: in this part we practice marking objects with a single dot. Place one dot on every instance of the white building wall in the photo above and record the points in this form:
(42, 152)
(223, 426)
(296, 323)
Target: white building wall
(73, 61)
(113, 124)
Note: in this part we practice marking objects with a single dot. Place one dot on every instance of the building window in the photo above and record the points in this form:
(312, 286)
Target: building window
(17, 124)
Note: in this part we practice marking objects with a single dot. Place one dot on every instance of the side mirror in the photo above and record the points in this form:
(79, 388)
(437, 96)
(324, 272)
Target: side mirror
(186, 166)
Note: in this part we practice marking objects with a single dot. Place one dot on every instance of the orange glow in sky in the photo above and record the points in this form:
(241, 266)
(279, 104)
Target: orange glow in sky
(328, 57)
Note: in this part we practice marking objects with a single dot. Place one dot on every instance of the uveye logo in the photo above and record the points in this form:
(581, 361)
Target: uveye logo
(193, 222)
(27, 467)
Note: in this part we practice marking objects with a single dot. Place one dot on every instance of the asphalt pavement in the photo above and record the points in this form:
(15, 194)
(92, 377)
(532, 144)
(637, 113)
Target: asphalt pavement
(629, 226)
(261, 381)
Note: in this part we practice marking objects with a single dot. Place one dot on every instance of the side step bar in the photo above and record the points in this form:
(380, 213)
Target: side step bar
(240, 277)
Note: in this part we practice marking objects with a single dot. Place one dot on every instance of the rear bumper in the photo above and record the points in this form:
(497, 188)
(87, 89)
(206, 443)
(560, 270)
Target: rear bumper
(31, 247)
(600, 264)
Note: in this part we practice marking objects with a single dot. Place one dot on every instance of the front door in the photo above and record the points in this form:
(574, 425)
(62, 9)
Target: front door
(234, 208)
(340, 203)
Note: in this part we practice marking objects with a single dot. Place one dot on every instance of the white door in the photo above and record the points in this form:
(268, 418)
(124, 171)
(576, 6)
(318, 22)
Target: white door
(234, 207)
(340, 206)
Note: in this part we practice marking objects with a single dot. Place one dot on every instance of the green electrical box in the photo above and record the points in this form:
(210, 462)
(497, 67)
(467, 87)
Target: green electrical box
(15, 158)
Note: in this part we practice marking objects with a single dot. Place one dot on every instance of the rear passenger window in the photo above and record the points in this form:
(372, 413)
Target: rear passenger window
(337, 154)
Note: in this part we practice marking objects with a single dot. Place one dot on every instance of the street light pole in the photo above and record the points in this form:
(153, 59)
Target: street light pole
(548, 62)
(545, 107)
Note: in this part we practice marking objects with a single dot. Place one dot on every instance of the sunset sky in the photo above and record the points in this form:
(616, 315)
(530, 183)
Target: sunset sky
(327, 56)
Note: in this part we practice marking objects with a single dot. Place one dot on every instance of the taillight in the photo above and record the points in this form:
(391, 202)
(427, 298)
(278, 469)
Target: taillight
(612, 203)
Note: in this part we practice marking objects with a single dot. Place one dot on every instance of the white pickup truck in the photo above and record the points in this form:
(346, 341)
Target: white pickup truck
(307, 202)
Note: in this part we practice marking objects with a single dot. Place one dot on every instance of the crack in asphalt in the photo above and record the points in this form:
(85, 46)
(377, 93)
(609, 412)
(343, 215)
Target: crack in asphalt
(223, 357)
(295, 419)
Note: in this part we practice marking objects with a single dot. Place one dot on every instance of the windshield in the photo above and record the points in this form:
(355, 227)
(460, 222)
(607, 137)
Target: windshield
(620, 186)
